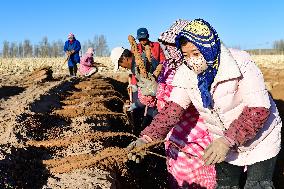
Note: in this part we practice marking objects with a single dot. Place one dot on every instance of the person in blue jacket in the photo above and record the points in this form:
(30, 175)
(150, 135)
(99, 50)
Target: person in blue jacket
(72, 47)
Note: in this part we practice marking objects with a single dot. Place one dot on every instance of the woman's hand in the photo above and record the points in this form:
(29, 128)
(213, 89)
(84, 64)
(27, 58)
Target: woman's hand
(216, 152)
(137, 157)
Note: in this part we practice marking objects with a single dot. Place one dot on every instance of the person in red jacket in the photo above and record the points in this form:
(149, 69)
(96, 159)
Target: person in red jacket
(154, 55)
(156, 51)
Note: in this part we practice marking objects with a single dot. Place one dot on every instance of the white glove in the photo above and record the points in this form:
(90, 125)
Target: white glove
(134, 87)
(131, 107)
(148, 87)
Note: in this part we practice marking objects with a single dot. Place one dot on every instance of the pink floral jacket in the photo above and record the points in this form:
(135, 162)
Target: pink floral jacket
(86, 64)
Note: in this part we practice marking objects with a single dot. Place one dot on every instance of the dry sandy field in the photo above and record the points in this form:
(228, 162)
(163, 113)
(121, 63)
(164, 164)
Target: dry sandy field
(62, 132)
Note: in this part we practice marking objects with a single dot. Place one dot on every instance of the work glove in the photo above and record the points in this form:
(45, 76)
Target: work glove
(72, 52)
(148, 86)
(134, 87)
(137, 157)
(68, 53)
(216, 152)
(131, 107)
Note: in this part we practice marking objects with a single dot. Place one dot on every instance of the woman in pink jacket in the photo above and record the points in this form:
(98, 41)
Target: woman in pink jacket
(190, 133)
(228, 91)
(87, 64)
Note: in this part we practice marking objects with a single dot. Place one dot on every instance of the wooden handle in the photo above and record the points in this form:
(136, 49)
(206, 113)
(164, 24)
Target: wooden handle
(67, 58)
(130, 90)
(145, 111)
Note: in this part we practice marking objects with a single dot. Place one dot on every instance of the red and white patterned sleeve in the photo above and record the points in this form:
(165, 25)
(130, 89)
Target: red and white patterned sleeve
(247, 125)
(163, 121)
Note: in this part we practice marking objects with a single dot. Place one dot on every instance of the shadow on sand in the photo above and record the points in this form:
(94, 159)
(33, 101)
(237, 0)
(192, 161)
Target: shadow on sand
(8, 91)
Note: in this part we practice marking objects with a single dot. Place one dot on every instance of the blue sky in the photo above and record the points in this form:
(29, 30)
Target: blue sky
(240, 23)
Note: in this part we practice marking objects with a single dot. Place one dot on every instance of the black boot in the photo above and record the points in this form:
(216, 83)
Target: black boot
(71, 70)
(75, 69)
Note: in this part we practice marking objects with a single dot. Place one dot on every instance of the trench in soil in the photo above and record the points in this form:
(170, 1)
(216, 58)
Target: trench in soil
(79, 125)
(8, 91)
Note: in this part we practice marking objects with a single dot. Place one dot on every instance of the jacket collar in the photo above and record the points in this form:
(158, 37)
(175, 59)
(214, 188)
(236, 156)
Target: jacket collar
(228, 67)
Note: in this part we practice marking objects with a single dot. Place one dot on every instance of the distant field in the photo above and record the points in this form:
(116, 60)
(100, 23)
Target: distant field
(20, 65)
(269, 61)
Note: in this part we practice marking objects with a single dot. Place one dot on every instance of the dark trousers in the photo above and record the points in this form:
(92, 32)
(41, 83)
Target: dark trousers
(73, 70)
(142, 121)
(259, 175)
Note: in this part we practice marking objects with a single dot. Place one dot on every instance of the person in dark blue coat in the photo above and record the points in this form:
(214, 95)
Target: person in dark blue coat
(72, 47)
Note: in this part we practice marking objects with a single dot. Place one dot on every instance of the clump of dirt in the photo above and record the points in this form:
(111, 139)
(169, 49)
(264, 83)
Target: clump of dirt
(76, 111)
(39, 75)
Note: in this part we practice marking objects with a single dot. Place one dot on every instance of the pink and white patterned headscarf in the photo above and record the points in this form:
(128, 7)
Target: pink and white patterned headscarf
(70, 35)
(169, 35)
(168, 39)
(173, 55)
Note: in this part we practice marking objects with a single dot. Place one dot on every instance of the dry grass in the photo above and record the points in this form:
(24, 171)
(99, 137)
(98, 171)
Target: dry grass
(269, 61)
(15, 67)
(18, 66)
